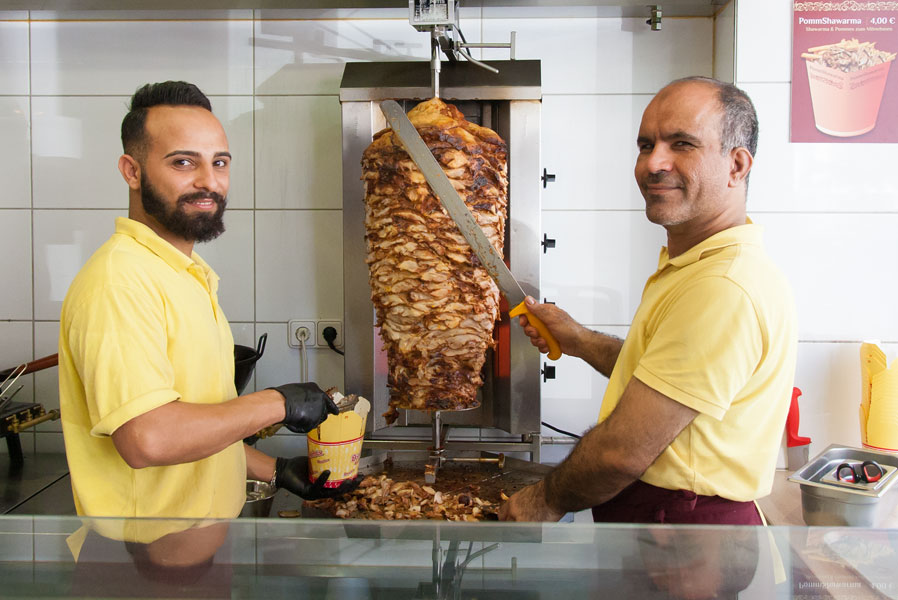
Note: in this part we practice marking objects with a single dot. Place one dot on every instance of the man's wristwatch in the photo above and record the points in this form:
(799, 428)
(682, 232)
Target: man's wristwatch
(274, 478)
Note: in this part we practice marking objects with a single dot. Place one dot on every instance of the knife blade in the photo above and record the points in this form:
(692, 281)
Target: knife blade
(442, 188)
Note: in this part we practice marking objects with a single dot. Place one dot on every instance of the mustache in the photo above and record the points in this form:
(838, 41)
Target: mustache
(661, 177)
(214, 196)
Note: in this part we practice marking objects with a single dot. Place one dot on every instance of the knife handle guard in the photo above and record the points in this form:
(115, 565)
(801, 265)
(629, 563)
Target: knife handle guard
(554, 348)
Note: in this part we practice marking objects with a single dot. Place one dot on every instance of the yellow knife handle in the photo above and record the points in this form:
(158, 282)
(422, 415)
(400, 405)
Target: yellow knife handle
(554, 348)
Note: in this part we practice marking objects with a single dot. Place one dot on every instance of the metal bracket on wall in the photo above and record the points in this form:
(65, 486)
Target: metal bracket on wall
(655, 21)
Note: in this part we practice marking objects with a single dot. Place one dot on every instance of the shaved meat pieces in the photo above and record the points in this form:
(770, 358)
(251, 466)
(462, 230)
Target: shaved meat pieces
(436, 306)
(382, 498)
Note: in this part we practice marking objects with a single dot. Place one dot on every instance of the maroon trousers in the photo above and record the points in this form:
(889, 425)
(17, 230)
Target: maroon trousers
(644, 503)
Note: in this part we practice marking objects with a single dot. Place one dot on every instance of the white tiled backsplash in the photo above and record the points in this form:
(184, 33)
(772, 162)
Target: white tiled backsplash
(830, 211)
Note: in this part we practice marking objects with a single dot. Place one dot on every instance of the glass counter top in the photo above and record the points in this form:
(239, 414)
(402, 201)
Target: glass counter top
(62, 557)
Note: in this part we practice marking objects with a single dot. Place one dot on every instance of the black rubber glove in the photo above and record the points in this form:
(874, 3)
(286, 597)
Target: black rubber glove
(306, 406)
(292, 474)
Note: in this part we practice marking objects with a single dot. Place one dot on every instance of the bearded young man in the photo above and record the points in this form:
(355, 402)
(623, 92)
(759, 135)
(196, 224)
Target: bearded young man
(692, 419)
(152, 423)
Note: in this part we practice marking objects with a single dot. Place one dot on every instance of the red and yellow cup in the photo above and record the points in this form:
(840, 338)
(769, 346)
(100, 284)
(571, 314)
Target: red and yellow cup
(336, 444)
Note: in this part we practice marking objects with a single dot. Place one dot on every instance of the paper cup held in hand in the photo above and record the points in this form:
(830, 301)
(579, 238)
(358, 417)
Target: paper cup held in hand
(336, 444)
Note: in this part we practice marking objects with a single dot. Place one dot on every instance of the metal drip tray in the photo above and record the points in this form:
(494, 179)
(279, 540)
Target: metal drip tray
(487, 479)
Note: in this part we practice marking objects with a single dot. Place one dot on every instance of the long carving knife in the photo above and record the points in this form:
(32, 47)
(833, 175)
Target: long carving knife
(442, 188)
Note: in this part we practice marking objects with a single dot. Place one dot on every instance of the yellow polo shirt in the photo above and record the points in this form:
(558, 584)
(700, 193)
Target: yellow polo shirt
(141, 327)
(716, 331)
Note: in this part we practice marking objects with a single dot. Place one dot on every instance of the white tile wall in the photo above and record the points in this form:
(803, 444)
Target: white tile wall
(75, 149)
(841, 267)
(15, 244)
(13, 57)
(593, 156)
(763, 41)
(299, 259)
(606, 56)
(236, 116)
(600, 262)
(15, 165)
(117, 57)
(231, 256)
(64, 240)
(299, 166)
(306, 57)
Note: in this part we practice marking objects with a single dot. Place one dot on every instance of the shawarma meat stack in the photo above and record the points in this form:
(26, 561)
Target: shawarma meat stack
(436, 306)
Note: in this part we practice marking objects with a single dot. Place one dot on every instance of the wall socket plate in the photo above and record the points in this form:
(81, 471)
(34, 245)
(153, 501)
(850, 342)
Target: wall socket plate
(322, 325)
(297, 327)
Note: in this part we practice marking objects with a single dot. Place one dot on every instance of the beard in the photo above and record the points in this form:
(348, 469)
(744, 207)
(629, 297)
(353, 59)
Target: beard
(200, 227)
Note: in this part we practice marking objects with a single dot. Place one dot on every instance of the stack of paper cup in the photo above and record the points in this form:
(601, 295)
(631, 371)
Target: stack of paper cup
(879, 400)
(336, 444)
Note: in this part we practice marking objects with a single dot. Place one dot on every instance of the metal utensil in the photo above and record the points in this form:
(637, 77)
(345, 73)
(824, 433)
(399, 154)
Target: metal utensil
(442, 188)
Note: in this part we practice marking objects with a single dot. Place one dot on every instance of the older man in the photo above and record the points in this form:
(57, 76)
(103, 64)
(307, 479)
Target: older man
(151, 420)
(691, 423)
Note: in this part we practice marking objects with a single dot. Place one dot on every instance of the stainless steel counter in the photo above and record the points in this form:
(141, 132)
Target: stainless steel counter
(40, 486)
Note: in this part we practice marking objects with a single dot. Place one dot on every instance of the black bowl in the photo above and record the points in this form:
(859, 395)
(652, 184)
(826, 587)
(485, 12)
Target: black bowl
(245, 361)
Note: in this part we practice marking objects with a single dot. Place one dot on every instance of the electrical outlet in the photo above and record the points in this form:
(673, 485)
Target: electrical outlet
(338, 325)
(296, 329)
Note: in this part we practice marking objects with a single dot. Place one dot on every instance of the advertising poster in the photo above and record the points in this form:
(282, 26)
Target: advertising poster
(842, 87)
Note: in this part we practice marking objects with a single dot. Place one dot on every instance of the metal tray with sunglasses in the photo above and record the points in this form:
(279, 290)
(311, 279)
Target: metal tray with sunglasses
(832, 478)
(827, 501)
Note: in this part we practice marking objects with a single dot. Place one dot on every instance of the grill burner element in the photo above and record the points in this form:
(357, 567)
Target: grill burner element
(17, 416)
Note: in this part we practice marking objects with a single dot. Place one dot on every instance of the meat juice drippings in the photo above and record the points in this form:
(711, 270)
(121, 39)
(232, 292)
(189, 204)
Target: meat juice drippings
(435, 305)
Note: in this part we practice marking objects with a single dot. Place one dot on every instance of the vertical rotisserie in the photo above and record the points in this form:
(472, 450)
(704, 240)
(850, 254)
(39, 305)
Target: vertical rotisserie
(436, 306)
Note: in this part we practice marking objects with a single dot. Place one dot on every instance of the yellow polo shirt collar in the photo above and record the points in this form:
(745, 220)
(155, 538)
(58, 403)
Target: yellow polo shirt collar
(743, 234)
(179, 261)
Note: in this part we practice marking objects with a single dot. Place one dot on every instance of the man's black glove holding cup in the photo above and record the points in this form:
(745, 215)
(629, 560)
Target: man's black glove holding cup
(306, 406)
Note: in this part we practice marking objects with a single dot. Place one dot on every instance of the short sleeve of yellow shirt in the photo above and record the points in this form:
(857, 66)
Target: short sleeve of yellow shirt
(122, 349)
(702, 355)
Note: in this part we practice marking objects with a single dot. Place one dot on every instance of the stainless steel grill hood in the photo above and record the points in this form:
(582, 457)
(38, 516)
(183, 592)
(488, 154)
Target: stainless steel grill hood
(602, 8)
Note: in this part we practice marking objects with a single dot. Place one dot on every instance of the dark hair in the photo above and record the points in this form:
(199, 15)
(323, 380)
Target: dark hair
(171, 93)
(739, 125)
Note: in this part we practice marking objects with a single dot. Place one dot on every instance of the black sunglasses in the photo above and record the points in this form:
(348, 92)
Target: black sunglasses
(866, 472)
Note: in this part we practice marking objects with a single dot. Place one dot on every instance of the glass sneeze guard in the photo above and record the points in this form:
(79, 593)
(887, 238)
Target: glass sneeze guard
(70, 557)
